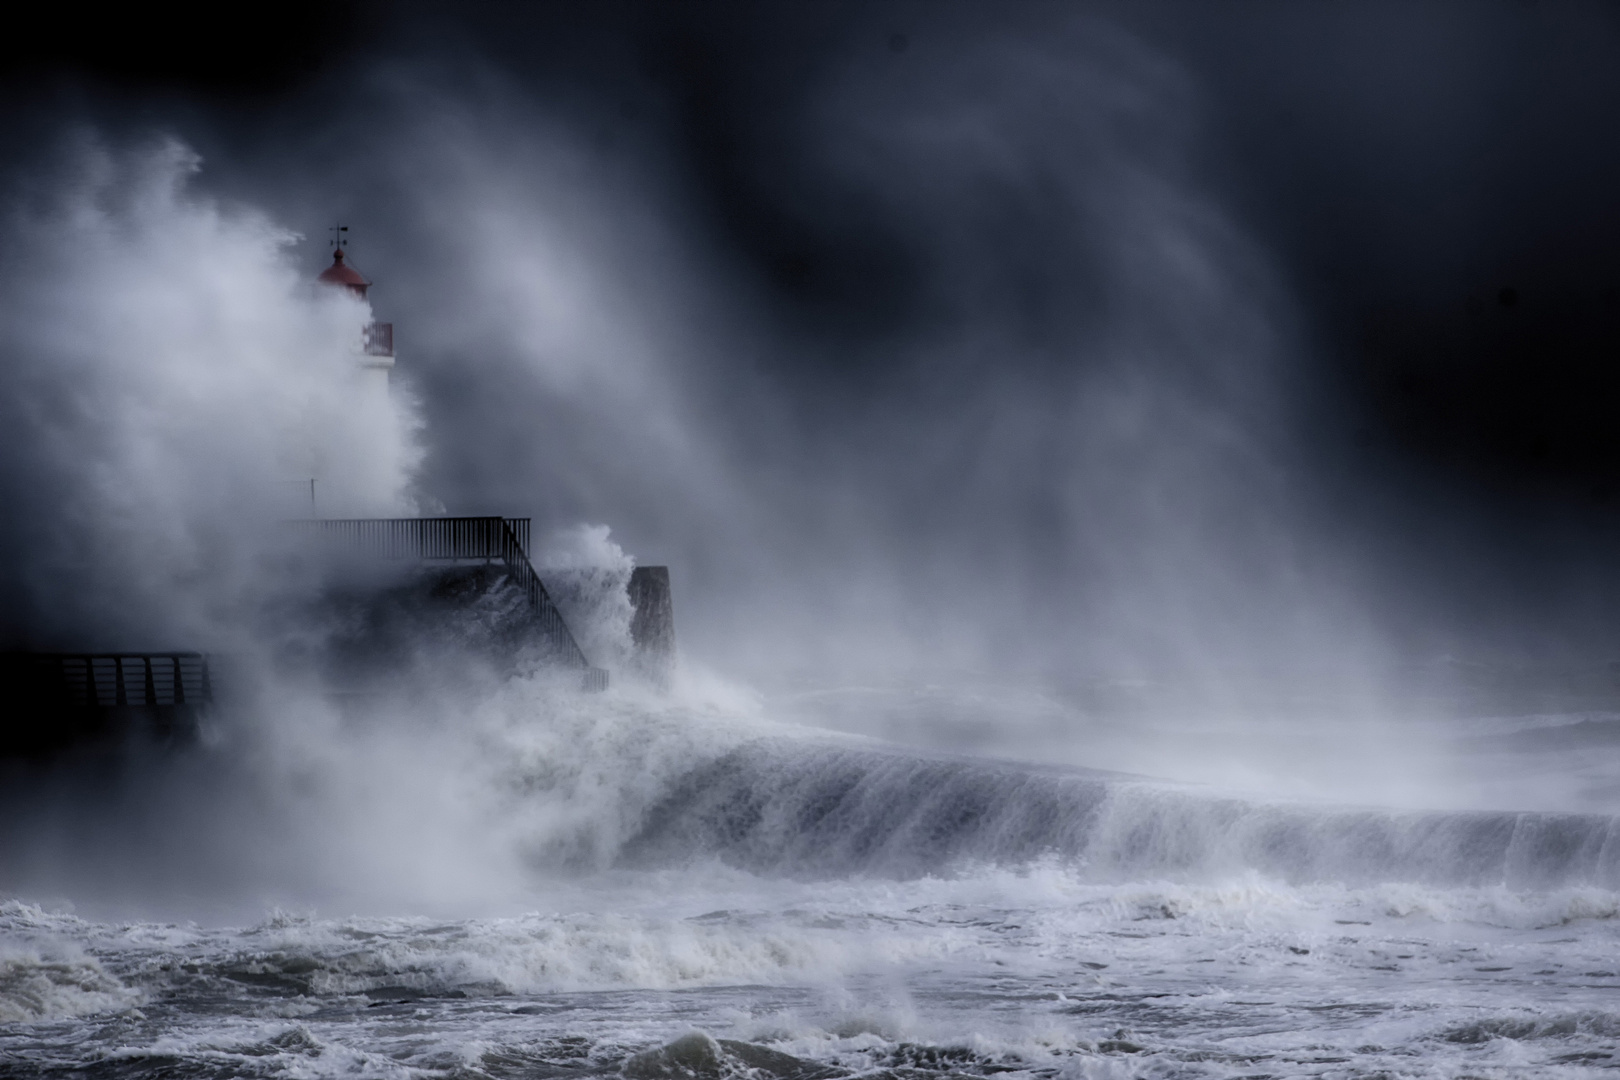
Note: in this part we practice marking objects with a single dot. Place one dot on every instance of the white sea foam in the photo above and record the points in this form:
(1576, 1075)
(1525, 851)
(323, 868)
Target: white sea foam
(45, 980)
(587, 575)
(1029, 971)
(536, 954)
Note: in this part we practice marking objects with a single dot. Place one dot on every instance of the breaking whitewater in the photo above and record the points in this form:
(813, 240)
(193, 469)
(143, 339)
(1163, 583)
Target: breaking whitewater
(687, 888)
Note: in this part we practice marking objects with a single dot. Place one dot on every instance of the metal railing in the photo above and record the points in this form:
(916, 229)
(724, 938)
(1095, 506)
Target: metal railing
(524, 577)
(379, 339)
(434, 538)
(421, 538)
(106, 680)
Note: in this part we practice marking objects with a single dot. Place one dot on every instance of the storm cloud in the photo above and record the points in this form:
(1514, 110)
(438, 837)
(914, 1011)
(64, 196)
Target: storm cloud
(1105, 342)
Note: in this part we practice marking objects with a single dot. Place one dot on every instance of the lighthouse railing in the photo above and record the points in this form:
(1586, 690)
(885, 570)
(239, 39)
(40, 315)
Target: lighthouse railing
(379, 339)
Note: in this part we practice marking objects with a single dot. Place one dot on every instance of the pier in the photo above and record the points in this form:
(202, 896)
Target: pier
(458, 539)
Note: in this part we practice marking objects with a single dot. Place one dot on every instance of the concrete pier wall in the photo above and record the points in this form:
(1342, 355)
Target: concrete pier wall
(652, 628)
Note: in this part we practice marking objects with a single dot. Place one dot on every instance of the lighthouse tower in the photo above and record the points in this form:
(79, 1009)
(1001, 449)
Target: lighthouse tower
(375, 350)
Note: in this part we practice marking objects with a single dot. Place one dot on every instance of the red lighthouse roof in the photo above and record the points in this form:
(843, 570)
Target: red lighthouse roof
(341, 273)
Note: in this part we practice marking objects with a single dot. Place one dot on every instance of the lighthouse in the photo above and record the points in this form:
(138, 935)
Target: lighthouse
(356, 433)
(375, 350)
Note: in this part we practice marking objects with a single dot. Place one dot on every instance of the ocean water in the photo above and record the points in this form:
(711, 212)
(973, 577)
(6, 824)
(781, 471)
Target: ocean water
(659, 890)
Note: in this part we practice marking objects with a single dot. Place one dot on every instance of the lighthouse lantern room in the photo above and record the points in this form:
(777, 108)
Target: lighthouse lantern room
(376, 346)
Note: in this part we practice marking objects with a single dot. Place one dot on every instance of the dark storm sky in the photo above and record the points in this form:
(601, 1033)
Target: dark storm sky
(1436, 186)
(1438, 179)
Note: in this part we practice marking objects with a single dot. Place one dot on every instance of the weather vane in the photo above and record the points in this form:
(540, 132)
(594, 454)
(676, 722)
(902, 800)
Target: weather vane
(337, 232)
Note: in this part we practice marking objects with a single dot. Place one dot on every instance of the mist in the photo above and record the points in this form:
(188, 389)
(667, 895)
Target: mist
(1014, 345)
(1137, 482)
(172, 380)
(1061, 438)
(928, 347)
